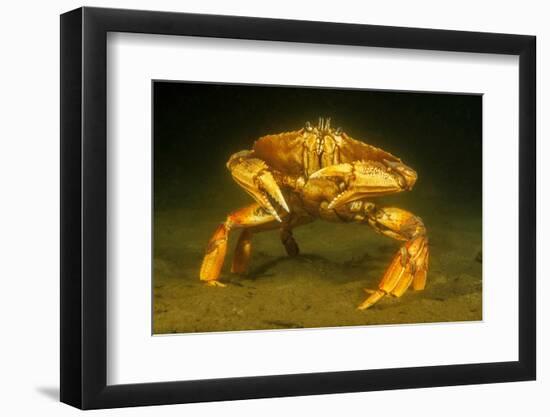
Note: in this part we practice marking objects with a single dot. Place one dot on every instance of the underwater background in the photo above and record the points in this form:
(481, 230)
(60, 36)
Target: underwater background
(198, 126)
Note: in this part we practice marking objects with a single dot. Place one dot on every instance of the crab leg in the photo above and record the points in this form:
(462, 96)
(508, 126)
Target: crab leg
(250, 218)
(410, 264)
(289, 242)
(243, 252)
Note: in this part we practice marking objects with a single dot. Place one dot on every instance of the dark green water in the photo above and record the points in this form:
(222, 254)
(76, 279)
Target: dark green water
(198, 126)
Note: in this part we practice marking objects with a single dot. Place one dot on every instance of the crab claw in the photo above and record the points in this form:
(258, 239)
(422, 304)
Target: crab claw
(363, 179)
(269, 192)
(254, 176)
(409, 175)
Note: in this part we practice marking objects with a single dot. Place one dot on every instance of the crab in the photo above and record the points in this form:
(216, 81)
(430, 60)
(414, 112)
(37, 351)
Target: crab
(319, 172)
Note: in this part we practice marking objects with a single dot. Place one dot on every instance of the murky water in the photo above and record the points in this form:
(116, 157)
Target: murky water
(197, 128)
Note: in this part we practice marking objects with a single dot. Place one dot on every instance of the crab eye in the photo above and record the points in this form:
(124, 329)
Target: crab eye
(308, 127)
(338, 131)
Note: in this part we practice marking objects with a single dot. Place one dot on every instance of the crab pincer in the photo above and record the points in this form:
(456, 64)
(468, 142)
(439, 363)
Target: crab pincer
(365, 179)
(256, 178)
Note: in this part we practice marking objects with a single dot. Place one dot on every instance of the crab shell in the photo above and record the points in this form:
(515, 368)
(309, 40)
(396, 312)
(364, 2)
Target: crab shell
(297, 158)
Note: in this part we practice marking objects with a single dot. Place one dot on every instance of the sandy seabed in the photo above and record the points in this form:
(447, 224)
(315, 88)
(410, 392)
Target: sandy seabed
(323, 285)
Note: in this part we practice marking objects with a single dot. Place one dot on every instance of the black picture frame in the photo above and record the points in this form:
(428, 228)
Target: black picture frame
(84, 207)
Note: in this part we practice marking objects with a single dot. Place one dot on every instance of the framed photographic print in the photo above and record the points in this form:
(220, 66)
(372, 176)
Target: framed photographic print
(257, 208)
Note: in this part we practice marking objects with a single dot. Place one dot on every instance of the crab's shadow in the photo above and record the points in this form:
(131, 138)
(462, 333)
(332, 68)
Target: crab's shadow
(349, 270)
(265, 268)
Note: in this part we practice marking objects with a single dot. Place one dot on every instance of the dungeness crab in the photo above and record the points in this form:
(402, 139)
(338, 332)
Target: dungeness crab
(319, 172)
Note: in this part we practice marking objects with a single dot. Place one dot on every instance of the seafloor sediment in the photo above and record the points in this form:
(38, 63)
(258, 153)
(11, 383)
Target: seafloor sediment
(324, 284)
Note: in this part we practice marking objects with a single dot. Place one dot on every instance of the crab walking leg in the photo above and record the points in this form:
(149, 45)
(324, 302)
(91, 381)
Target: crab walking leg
(289, 242)
(243, 252)
(287, 238)
(410, 264)
(251, 216)
(215, 254)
